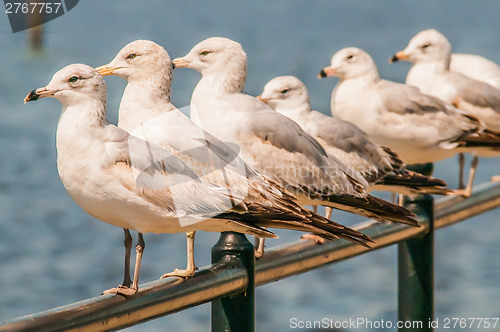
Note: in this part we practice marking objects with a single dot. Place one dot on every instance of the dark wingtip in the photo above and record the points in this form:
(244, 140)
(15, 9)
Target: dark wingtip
(322, 73)
(393, 59)
(31, 96)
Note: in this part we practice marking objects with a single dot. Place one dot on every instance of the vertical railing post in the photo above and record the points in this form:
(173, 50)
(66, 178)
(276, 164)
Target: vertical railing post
(416, 268)
(235, 313)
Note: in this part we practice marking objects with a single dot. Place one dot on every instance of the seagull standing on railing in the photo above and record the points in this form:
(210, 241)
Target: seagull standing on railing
(430, 53)
(270, 142)
(134, 184)
(419, 127)
(379, 165)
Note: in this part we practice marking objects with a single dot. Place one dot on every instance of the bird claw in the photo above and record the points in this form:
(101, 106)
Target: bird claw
(259, 254)
(122, 290)
(316, 238)
(462, 192)
(180, 274)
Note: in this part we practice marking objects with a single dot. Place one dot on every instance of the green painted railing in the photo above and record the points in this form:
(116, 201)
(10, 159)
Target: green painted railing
(229, 282)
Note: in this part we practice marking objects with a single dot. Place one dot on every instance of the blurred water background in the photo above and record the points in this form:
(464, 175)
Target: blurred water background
(52, 253)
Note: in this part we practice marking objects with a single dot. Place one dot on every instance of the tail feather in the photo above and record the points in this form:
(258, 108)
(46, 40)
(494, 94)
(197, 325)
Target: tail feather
(268, 205)
(486, 138)
(418, 182)
(372, 207)
(316, 224)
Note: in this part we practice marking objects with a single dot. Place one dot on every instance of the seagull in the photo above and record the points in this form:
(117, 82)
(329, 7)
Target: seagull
(379, 165)
(430, 53)
(134, 184)
(270, 142)
(419, 127)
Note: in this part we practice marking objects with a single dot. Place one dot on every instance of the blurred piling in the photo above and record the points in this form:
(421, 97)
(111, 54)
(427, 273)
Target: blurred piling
(36, 34)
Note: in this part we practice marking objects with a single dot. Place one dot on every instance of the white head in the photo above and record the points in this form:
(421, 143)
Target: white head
(426, 46)
(139, 60)
(285, 93)
(74, 84)
(218, 57)
(350, 63)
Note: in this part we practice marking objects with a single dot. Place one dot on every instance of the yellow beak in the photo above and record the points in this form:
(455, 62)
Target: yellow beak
(106, 70)
(264, 100)
(327, 72)
(401, 55)
(180, 63)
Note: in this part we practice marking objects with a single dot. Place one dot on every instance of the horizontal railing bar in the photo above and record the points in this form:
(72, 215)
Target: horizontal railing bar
(155, 299)
(453, 209)
(164, 297)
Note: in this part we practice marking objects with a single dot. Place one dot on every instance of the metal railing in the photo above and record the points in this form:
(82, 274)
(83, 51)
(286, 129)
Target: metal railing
(229, 282)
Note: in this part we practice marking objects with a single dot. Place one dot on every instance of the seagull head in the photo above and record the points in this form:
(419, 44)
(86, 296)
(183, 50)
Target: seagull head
(139, 60)
(348, 63)
(215, 55)
(285, 93)
(71, 85)
(426, 46)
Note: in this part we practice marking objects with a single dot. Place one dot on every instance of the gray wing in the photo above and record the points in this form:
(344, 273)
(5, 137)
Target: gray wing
(429, 118)
(286, 134)
(353, 146)
(405, 99)
(152, 164)
(476, 92)
(286, 153)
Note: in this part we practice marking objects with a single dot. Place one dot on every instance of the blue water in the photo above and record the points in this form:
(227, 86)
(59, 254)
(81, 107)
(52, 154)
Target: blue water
(52, 253)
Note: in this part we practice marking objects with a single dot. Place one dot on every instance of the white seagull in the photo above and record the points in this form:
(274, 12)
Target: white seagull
(430, 53)
(134, 184)
(379, 165)
(419, 127)
(432, 73)
(273, 144)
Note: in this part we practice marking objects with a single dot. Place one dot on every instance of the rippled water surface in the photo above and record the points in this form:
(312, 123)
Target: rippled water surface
(52, 253)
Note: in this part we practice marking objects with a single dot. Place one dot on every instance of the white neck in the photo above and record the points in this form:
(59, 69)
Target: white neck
(77, 122)
(343, 103)
(143, 100)
(229, 80)
(296, 108)
(435, 66)
(368, 78)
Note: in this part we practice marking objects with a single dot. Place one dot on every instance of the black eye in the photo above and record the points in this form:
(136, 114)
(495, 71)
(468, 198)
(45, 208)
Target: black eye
(350, 56)
(132, 56)
(426, 45)
(74, 79)
(284, 91)
(205, 53)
